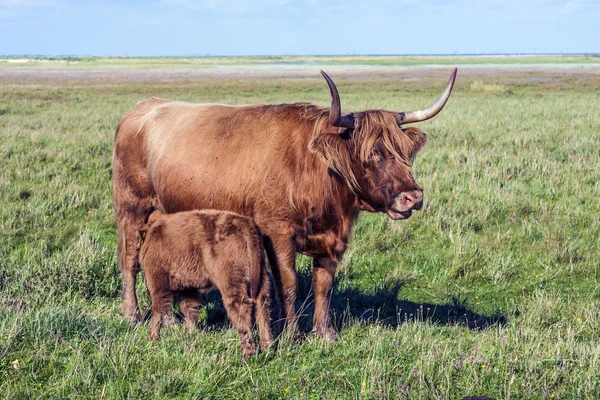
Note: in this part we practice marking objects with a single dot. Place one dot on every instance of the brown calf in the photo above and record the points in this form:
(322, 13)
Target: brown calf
(193, 251)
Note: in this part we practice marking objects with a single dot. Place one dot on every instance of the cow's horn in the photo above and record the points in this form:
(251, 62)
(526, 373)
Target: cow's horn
(335, 114)
(431, 111)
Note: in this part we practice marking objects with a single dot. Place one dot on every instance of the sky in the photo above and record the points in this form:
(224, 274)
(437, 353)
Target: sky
(297, 27)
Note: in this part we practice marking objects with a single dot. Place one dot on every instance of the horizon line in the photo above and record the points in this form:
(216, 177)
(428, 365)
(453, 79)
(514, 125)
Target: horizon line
(208, 55)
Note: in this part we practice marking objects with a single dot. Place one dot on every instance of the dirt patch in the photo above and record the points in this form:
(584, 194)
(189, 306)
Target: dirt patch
(107, 76)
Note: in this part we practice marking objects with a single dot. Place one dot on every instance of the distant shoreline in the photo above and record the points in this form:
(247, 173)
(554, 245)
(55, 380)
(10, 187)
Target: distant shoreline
(288, 66)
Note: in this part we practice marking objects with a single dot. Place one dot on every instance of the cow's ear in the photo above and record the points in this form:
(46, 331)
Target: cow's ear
(329, 147)
(333, 150)
(417, 137)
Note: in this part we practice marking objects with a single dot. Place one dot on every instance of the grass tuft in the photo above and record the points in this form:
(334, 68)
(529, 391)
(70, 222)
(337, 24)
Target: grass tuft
(482, 87)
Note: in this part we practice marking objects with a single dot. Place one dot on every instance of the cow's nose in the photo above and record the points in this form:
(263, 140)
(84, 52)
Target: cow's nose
(418, 205)
(412, 200)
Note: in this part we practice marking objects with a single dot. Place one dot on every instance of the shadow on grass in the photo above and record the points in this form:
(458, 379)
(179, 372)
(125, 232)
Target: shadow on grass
(383, 307)
(351, 304)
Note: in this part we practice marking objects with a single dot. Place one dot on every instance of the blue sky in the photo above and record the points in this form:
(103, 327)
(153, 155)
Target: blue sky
(265, 27)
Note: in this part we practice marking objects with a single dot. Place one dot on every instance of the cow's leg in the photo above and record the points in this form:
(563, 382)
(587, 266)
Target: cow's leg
(189, 303)
(133, 202)
(127, 250)
(323, 273)
(282, 258)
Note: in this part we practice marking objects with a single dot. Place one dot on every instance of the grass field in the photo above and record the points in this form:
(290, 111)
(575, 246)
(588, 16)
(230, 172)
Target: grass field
(491, 289)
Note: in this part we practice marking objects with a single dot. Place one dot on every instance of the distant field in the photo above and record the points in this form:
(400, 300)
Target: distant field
(491, 289)
(215, 61)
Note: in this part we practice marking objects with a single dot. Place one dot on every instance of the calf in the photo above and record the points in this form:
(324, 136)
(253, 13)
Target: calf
(193, 251)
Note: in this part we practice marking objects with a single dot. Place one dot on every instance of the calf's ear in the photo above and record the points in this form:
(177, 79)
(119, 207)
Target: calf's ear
(153, 217)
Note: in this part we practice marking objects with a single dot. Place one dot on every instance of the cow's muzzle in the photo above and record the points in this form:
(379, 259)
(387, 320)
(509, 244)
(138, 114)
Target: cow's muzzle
(405, 203)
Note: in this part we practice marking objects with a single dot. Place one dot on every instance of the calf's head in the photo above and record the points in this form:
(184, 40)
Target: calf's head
(374, 153)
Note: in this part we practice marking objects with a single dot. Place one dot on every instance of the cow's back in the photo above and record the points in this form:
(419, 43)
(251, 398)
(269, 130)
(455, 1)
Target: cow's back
(253, 160)
(211, 156)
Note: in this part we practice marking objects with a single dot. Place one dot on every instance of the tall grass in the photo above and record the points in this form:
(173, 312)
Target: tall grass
(491, 289)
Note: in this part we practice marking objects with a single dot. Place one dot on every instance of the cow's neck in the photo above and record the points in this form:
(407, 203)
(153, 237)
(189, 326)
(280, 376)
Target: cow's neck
(325, 222)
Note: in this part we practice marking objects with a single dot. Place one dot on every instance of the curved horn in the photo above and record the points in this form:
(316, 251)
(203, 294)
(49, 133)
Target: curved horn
(431, 111)
(335, 114)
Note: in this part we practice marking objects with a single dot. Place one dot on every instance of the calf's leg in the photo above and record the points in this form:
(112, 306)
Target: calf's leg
(189, 304)
(263, 314)
(161, 307)
(239, 310)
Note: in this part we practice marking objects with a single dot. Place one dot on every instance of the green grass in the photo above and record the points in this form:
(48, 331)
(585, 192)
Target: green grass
(491, 289)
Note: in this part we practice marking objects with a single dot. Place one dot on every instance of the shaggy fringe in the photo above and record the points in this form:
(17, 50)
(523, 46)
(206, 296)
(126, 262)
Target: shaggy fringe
(374, 125)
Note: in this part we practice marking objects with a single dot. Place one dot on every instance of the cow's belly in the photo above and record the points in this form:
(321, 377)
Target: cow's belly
(192, 192)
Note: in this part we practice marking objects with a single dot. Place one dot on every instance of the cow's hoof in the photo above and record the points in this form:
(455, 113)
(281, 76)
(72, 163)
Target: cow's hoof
(264, 345)
(133, 318)
(169, 319)
(246, 353)
(295, 334)
(328, 334)
(248, 347)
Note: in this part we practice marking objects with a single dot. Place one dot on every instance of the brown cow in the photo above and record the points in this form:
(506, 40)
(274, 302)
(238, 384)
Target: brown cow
(193, 251)
(301, 171)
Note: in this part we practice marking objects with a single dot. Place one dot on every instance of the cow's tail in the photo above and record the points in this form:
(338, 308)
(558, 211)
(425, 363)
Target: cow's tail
(256, 258)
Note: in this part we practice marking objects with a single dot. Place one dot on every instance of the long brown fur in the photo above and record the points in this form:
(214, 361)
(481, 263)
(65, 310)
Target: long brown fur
(193, 251)
(302, 180)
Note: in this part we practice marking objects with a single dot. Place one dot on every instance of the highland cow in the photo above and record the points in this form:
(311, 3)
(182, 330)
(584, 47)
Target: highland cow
(302, 172)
